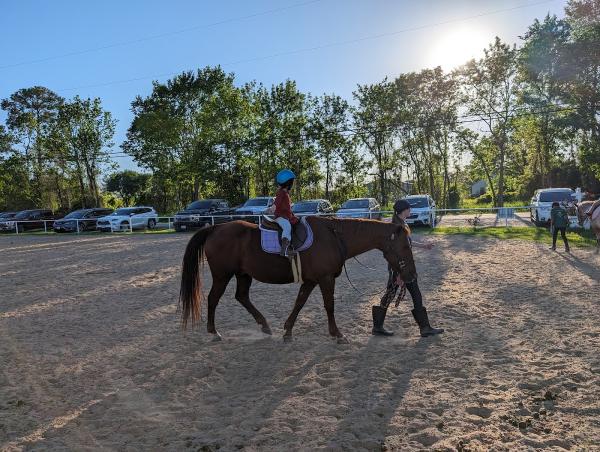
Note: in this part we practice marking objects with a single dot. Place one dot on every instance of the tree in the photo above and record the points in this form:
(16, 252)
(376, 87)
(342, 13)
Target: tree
(539, 62)
(490, 94)
(131, 186)
(329, 126)
(374, 118)
(31, 114)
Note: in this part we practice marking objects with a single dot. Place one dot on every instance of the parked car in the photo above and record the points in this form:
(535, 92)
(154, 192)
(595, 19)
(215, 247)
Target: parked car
(7, 215)
(253, 207)
(200, 213)
(80, 220)
(28, 220)
(422, 210)
(312, 207)
(5, 218)
(140, 218)
(360, 208)
(542, 200)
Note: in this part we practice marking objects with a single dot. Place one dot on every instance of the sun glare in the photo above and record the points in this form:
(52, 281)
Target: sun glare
(457, 47)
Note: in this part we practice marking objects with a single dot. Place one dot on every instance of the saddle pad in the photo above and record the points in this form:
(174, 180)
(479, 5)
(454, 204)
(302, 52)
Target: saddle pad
(269, 240)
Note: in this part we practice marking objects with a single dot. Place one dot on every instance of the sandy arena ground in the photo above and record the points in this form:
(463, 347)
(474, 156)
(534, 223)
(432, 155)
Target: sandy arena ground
(92, 357)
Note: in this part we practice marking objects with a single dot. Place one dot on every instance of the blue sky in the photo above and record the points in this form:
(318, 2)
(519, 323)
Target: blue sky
(112, 42)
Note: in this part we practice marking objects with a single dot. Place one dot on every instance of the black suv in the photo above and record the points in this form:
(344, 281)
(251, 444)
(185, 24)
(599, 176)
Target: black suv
(80, 220)
(27, 220)
(199, 213)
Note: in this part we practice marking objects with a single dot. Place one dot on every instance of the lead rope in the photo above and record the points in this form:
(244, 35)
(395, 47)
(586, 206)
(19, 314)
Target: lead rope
(343, 254)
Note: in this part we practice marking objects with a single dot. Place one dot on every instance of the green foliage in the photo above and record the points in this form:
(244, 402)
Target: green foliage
(129, 185)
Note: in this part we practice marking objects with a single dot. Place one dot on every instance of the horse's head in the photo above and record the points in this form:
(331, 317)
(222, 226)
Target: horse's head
(398, 253)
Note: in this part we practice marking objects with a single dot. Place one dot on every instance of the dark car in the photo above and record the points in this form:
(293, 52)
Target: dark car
(80, 220)
(28, 220)
(201, 212)
(312, 207)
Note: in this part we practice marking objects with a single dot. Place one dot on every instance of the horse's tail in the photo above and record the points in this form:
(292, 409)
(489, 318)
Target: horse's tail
(190, 293)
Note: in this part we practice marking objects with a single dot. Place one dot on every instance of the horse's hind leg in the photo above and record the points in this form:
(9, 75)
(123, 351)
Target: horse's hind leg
(327, 286)
(242, 294)
(216, 292)
(305, 290)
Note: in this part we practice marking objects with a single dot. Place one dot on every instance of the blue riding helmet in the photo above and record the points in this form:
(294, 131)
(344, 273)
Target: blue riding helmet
(284, 176)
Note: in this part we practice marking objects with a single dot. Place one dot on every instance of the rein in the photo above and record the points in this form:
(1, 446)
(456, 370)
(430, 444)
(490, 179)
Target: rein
(343, 253)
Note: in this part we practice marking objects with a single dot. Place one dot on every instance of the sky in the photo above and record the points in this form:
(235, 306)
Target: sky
(114, 49)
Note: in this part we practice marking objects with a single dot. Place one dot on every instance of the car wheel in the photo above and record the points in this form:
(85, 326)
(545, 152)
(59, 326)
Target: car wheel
(20, 228)
(151, 223)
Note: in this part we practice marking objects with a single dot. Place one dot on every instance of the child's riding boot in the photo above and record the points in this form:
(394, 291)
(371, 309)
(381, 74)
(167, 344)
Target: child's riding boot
(285, 245)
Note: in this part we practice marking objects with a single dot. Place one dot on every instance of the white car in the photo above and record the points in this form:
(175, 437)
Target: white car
(422, 210)
(542, 200)
(253, 208)
(128, 218)
(360, 208)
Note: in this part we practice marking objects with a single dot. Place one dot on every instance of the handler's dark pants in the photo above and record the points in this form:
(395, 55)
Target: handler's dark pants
(563, 235)
(392, 288)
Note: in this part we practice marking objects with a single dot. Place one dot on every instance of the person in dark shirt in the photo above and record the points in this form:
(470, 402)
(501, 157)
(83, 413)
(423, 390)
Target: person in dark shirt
(283, 208)
(401, 212)
(559, 220)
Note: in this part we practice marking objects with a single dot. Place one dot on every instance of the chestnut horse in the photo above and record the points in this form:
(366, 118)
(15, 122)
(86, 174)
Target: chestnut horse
(234, 249)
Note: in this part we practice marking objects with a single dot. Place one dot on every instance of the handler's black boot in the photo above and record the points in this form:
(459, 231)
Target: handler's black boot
(423, 322)
(378, 318)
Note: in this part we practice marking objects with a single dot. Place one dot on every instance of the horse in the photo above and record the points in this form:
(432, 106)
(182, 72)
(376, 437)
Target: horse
(582, 207)
(234, 249)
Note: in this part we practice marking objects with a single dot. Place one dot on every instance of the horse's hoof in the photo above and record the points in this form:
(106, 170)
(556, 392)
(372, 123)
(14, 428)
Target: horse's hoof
(266, 330)
(217, 337)
(287, 338)
(343, 340)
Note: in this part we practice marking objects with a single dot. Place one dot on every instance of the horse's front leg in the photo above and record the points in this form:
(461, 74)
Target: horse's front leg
(305, 290)
(327, 285)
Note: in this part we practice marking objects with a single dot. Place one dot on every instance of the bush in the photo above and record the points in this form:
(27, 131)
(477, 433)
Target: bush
(453, 198)
(486, 198)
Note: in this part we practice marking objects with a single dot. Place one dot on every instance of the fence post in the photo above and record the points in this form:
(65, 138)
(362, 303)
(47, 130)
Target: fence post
(17, 227)
(45, 227)
(131, 225)
(77, 225)
(169, 220)
(212, 220)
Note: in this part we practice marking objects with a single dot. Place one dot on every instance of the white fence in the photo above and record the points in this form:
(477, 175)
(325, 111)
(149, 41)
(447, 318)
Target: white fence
(476, 217)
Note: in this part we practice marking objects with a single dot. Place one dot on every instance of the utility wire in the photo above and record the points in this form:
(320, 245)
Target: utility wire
(315, 48)
(159, 36)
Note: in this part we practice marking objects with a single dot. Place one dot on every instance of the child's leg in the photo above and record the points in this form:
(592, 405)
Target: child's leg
(554, 236)
(286, 227)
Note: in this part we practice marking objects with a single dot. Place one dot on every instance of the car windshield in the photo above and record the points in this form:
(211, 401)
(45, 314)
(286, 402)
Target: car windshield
(305, 207)
(124, 211)
(199, 205)
(6, 215)
(417, 202)
(555, 196)
(356, 204)
(256, 202)
(77, 214)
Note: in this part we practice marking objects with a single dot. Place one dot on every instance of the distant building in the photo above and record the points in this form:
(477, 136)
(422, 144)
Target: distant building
(478, 188)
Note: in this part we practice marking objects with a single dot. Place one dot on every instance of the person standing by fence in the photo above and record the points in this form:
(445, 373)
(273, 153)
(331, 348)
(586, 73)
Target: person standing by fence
(559, 220)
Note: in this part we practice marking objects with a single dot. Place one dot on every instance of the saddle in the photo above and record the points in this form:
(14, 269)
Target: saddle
(270, 235)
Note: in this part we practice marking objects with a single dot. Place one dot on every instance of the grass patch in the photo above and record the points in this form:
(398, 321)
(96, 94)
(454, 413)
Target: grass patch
(471, 203)
(580, 238)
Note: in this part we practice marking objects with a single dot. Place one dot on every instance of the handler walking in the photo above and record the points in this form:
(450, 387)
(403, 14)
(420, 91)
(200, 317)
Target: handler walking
(559, 220)
(401, 213)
